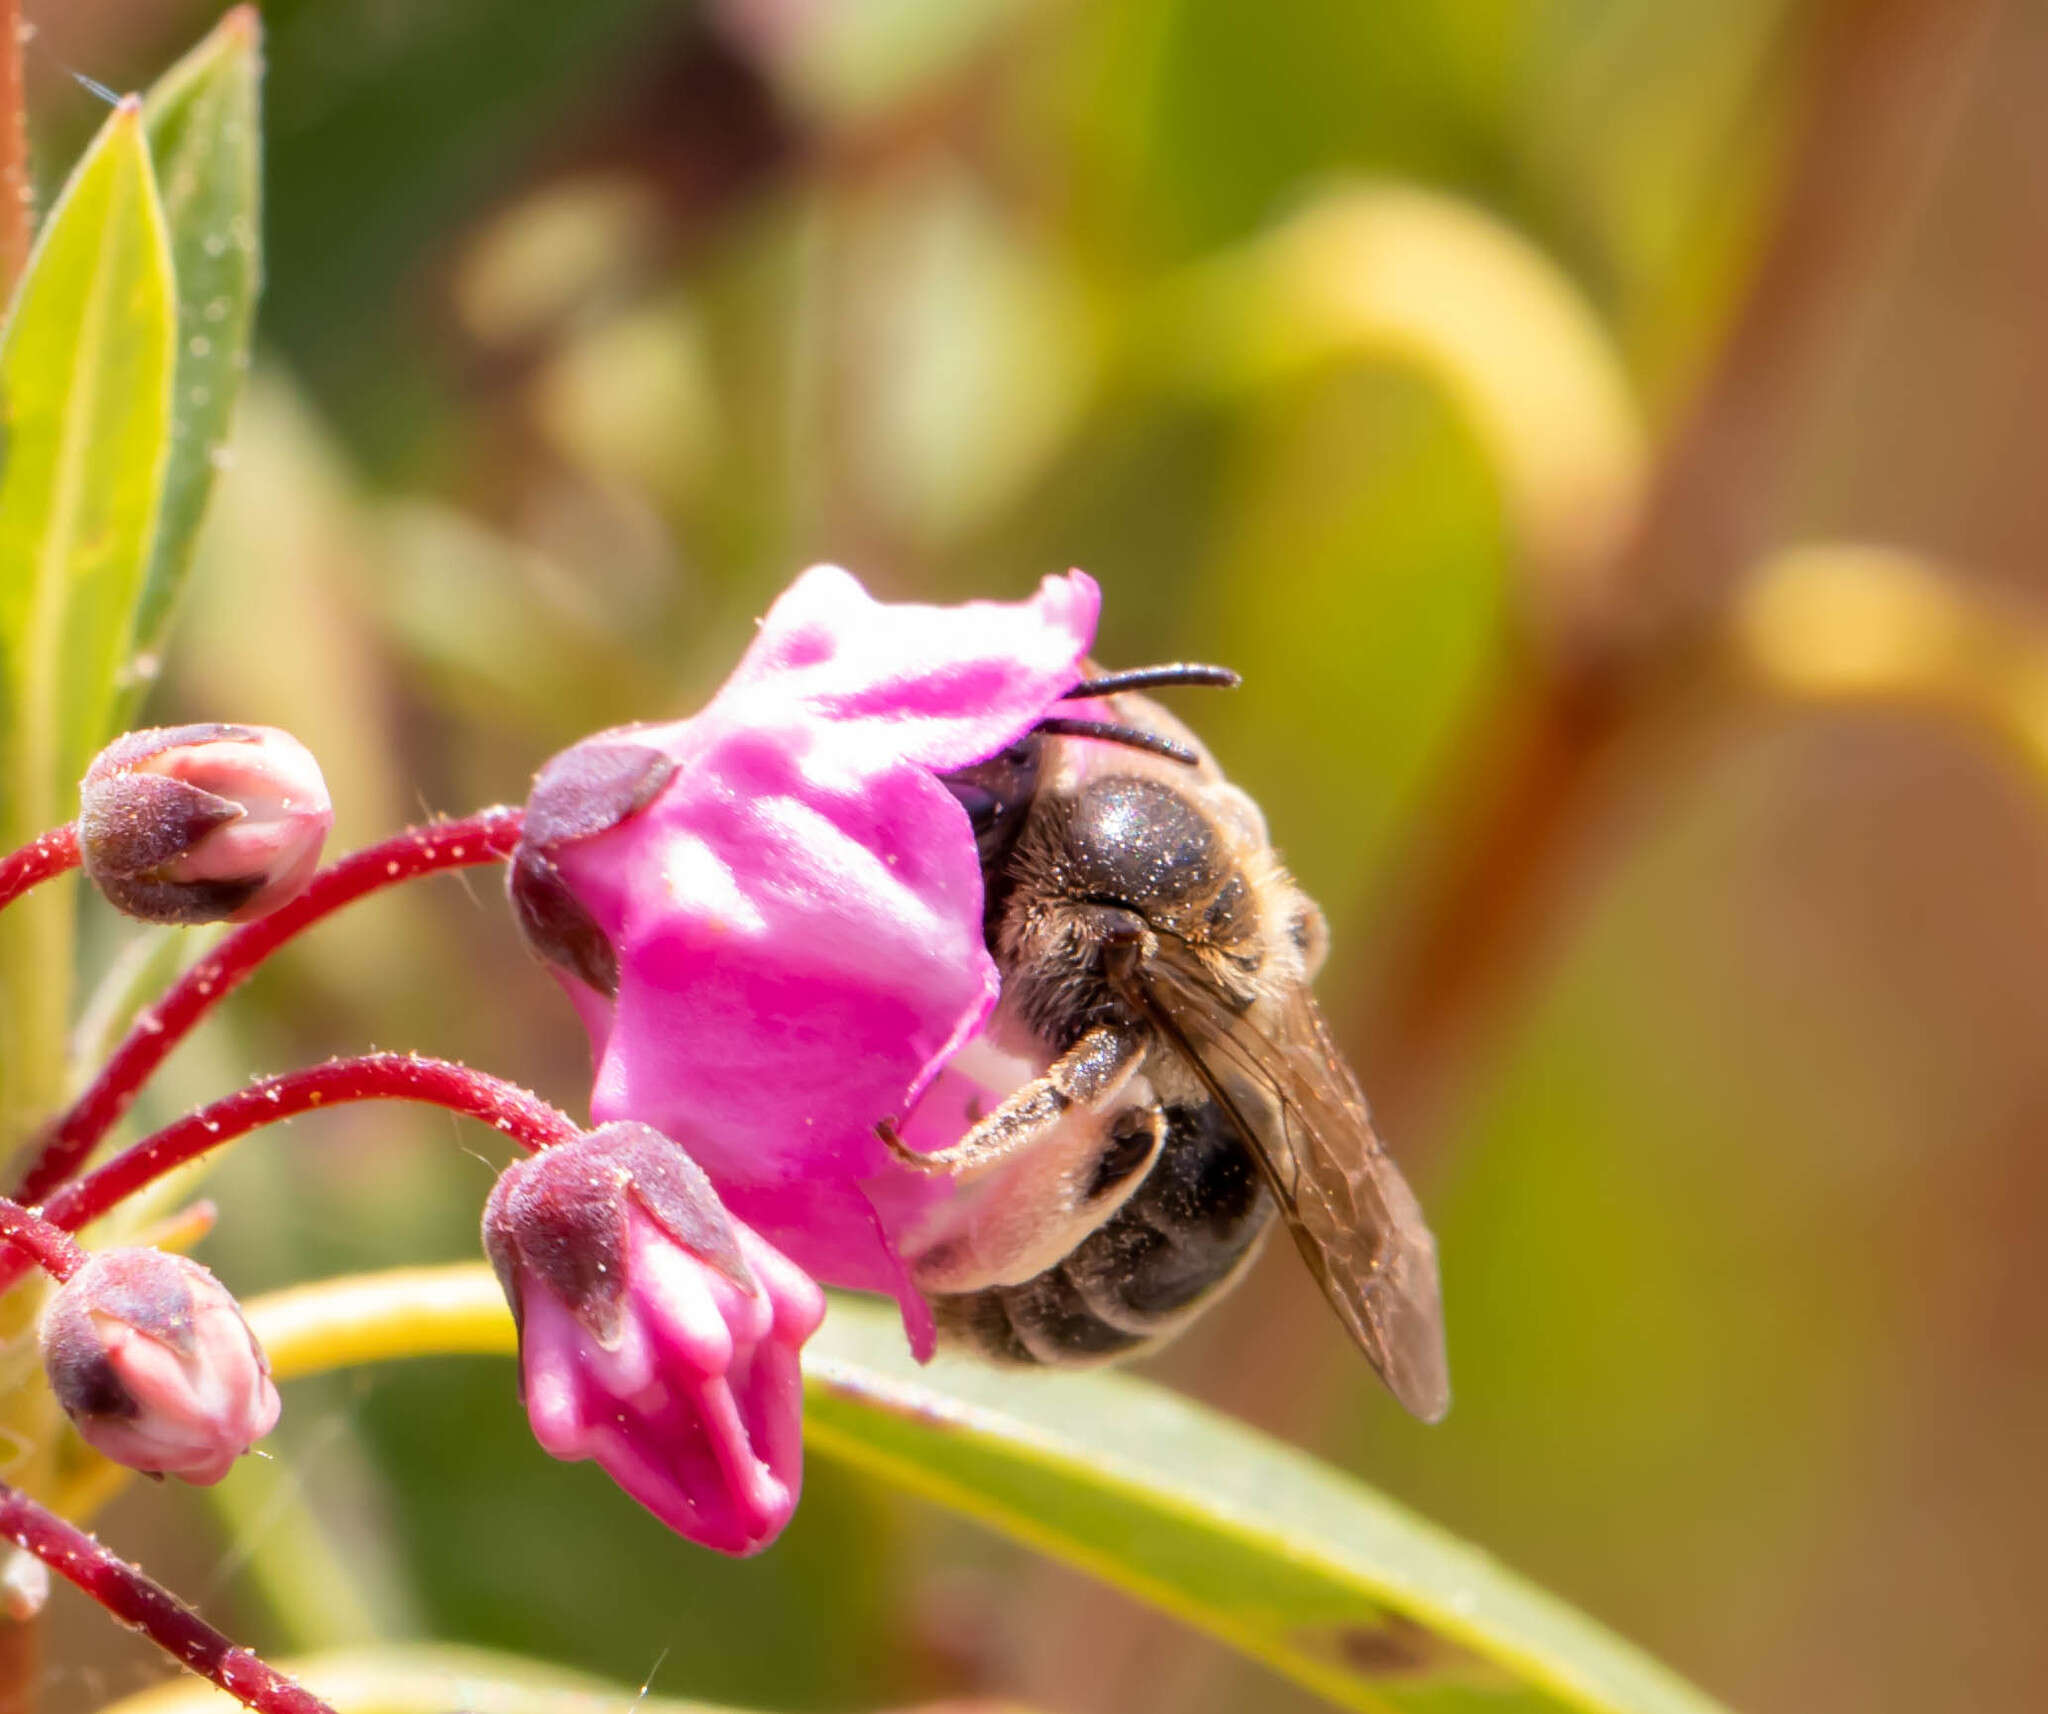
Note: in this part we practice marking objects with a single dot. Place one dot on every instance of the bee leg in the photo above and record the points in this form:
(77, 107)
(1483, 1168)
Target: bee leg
(1088, 1074)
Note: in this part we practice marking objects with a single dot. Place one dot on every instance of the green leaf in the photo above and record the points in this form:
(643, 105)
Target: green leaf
(85, 378)
(203, 124)
(1284, 1558)
(85, 386)
(1287, 1559)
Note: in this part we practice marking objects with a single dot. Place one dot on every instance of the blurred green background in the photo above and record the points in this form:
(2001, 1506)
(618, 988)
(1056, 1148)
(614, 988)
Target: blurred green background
(1460, 373)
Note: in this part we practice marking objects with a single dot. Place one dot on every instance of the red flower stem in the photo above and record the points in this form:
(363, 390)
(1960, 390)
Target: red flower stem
(43, 1241)
(486, 837)
(145, 1605)
(524, 1117)
(46, 855)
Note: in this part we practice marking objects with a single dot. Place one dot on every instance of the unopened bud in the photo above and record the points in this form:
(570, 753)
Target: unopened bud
(211, 823)
(657, 1334)
(153, 1363)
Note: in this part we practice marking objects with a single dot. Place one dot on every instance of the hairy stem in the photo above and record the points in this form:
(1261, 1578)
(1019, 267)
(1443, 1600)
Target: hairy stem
(523, 1116)
(146, 1605)
(48, 854)
(486, 837)
(425, 1678)
(42, 1241)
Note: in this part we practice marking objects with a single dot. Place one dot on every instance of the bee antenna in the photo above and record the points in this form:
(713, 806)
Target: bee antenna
(1147, 678)
(1109, 732)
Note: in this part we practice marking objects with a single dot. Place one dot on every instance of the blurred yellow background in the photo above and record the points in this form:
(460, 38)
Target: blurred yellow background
(1606, 434)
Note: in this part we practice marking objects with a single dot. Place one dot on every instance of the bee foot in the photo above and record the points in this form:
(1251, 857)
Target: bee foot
(893, 1139)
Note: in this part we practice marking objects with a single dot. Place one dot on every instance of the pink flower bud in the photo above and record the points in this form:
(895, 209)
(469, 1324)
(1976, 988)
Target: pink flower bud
(203, 823)
(153, 1363)
(656, 1334)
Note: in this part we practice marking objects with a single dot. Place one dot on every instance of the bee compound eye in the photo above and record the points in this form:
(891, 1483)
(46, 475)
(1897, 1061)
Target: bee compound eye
(981, 804)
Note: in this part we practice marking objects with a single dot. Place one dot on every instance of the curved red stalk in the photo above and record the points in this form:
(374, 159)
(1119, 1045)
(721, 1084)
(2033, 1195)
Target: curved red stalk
(146, 1605)
(523, 1116)
(46, 855)
(42, 1241)
(486, 837)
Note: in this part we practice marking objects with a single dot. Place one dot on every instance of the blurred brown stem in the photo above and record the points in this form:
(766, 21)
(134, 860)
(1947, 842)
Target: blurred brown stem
(15, 190)
(21, 1665)
(1575, 732)
(1538, 769)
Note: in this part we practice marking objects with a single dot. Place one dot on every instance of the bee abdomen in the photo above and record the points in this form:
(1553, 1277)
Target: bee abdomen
(1183, 1235)
(1044, 1320)
(1185, 1231)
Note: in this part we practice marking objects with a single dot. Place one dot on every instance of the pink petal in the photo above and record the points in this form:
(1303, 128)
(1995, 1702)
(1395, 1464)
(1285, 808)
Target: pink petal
(797, 916)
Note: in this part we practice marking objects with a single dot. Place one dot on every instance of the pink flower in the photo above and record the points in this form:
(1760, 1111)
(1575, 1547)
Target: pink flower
(656, 1335)
(153, 1363)
(203, 823)
(769, 915)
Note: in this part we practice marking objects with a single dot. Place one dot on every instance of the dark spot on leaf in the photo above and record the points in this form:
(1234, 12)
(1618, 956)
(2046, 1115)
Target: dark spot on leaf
(1399, 1647)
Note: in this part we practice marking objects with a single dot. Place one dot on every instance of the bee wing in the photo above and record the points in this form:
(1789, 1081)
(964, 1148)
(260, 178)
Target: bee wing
(1300, 1110)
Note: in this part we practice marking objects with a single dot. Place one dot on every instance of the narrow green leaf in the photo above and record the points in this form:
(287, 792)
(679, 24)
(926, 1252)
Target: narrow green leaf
(203, 124)
(1287, 1559)
(1284, 1558)
(85, 384)
(85, 377)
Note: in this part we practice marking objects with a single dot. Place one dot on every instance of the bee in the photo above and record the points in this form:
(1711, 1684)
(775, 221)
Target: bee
(1157, 1082)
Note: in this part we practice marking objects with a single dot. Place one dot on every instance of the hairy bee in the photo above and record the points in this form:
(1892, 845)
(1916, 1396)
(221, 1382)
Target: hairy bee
(1159, 1080)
